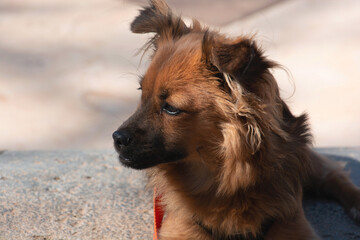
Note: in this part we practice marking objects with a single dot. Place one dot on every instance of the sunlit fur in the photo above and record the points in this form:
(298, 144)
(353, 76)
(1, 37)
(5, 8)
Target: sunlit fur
(248, 157)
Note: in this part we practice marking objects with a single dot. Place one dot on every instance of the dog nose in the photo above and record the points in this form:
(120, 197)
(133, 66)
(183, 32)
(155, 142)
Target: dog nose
(121, 138)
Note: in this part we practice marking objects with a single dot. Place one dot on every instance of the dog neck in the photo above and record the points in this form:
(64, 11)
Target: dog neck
(175, 186)
(265, 226)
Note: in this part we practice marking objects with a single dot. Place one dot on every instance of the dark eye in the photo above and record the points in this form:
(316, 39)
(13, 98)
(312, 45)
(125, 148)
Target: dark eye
(170, 109)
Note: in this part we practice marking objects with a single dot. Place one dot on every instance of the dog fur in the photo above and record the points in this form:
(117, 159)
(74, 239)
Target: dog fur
(218, 143)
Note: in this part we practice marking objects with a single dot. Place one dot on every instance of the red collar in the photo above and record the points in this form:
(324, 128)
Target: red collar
(158, 215)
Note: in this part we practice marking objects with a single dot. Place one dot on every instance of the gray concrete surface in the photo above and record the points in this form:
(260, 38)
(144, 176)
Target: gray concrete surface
(71, 195)
(68, 74)
(53, 195)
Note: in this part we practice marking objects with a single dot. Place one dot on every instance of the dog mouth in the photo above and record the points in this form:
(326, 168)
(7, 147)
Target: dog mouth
(138, 159)
(124, 160)
(137, 163)
(128, 162)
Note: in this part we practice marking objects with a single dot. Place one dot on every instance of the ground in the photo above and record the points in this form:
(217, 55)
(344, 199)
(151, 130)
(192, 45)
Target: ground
(55, 195)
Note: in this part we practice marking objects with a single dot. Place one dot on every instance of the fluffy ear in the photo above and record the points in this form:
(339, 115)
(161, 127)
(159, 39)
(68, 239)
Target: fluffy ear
(158, 18)
(240, 58)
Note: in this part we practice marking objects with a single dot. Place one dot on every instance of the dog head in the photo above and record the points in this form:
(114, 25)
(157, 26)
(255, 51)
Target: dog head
(205, 98)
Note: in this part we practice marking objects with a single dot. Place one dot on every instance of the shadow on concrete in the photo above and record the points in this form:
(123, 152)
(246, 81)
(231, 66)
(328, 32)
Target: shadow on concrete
(327, 217)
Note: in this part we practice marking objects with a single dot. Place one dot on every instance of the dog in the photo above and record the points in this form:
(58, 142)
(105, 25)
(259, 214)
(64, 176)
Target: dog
(223, 150)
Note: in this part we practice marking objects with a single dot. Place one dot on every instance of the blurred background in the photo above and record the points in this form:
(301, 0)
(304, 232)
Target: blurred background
(68, 69)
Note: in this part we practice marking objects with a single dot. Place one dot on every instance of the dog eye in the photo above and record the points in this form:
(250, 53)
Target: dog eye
(170, 109)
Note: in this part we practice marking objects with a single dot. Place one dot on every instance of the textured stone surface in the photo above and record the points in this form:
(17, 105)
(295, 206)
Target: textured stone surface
(71, 195)
(87, 195)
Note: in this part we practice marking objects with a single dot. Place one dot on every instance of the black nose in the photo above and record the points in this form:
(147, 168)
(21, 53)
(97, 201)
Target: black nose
(121, 138)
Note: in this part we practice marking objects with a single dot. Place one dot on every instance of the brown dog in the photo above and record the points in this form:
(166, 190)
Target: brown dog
(219, 144)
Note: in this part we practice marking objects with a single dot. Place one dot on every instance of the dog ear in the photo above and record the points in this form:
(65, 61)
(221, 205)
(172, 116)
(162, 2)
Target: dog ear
(158, 18)
(244, 68)
(240, 58)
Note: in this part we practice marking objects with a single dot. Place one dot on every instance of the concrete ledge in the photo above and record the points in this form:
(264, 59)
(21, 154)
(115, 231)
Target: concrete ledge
(71, 195)
(88, 195)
